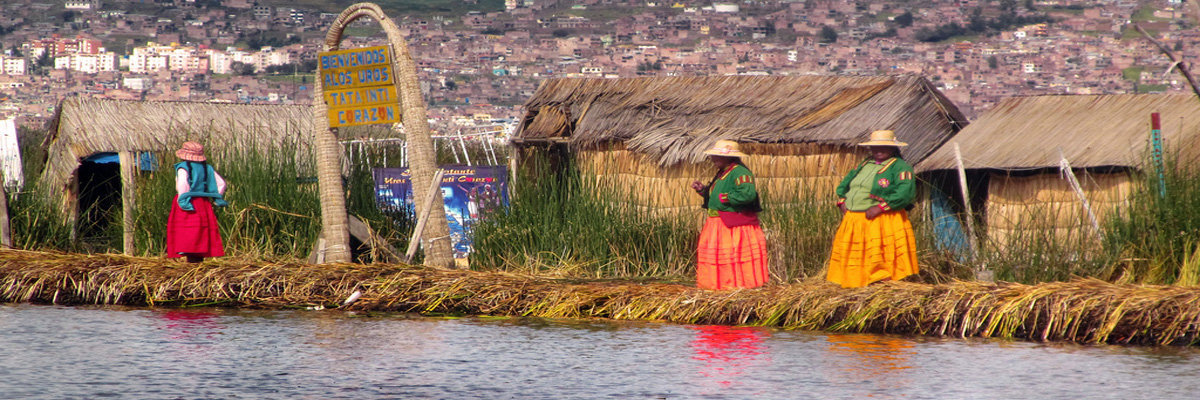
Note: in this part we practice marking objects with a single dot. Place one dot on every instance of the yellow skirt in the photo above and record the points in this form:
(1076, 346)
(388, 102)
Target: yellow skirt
(730, 258)
(865, 251)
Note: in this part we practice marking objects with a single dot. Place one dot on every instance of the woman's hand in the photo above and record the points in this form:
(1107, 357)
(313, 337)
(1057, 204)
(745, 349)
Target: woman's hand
(873, 212)
(842, 206)
(697, 186)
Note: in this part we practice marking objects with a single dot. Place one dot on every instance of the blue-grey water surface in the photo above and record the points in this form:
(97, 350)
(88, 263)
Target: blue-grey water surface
(50, 352)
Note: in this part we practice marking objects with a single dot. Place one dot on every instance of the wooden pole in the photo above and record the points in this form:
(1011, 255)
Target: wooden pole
(1175, 61)
(1064, 167)
(5, 227)
(423, 218)
(128, 173)
(1156, 152)
(962, 183)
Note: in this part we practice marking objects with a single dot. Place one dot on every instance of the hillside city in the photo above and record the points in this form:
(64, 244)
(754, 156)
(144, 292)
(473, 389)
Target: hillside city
(488, 59)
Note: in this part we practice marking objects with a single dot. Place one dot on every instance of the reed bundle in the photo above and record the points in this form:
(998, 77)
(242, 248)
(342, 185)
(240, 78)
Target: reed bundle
(1086, 311)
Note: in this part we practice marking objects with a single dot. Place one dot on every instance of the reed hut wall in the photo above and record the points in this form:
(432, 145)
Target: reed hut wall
(647, 135)
(1044, 205)
(1020, 144)
(85, 126)
(784, 173)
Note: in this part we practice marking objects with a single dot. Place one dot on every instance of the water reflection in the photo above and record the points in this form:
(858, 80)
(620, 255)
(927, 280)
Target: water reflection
(189, 325)
(189, 334)
(726, 353)
(875, 365)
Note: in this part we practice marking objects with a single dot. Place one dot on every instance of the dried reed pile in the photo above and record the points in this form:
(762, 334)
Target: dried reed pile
(1086, 311)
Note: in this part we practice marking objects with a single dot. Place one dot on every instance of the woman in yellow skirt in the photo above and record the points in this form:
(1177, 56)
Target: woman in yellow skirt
(732, 252)
(875, 241)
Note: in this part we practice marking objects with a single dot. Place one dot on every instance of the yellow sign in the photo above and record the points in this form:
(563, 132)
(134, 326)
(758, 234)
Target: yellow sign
(364, 115)
(361, 96)
(358, 86)
(351, 58)
(347, 78)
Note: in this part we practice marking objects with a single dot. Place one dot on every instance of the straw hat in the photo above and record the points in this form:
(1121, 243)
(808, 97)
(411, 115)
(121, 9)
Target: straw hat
(191, 151)
(883, 138)
(725, 148)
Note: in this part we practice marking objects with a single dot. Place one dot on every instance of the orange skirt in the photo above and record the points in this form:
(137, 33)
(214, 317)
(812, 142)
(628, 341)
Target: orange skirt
(730, 258)
(866, 251)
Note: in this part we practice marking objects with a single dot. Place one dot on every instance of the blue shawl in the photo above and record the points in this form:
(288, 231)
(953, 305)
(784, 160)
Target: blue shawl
(202, 180)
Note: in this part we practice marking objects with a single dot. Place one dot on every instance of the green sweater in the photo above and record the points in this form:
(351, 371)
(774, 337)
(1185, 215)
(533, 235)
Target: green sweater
(894, 187)
(732, 190)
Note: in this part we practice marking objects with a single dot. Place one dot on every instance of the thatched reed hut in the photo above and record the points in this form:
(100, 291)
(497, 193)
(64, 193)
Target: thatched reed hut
(83, 128)
(800, 130)
(1013, 157)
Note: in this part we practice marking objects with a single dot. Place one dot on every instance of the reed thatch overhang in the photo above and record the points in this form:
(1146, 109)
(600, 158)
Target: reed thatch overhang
(674, 119)
(1034, 132)
(85, 126)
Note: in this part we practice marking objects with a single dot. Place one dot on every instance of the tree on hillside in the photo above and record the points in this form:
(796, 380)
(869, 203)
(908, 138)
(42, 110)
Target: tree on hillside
(828, 34)
(241, 68)
(904, 20)
(43, 64)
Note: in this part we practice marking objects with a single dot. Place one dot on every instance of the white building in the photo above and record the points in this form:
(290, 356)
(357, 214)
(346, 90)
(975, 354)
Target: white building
(137, 83)
(219, 62)
(13, 65)
(726, 7)
(82, 5)
(142, 63)
(87, 63)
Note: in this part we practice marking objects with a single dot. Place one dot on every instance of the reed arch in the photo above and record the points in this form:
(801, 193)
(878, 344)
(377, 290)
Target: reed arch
(422, 161)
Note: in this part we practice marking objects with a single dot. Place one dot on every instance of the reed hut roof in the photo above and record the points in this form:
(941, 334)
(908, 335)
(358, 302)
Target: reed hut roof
(84, 126)
(1089, 130)
(674, 119)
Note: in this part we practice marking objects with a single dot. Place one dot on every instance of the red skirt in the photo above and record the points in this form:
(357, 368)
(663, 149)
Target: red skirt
(193, 232)
(730, 258)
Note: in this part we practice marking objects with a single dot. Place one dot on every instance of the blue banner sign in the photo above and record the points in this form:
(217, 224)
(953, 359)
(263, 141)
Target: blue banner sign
(469, 192)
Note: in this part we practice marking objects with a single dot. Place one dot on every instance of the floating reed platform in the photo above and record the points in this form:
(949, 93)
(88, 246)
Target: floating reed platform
(1085, 311)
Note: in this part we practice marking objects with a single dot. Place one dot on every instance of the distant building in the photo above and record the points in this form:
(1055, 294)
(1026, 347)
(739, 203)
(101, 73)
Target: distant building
(13, 65)
(57, 46)
(87, 63)
(726, 7)
(137, 83)
(82, 5)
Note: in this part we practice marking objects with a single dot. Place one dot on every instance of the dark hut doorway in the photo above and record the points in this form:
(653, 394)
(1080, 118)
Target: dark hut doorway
(98, 224)
(99, 200)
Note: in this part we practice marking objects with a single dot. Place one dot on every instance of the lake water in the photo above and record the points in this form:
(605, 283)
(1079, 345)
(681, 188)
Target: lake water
(49, 352)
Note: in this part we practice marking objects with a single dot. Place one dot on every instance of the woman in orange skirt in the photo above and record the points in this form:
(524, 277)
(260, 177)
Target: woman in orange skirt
(732, 252)
(192, 229)
(875, 241)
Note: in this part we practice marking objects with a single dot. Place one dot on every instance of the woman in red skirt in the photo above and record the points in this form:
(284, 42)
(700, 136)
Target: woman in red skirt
(732, 252)
(192, 229)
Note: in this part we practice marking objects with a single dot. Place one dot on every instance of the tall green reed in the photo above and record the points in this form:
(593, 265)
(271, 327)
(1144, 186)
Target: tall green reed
(34, 215)
(562, 221)
(1157, 235)
(800, 233)
(1030, 253)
